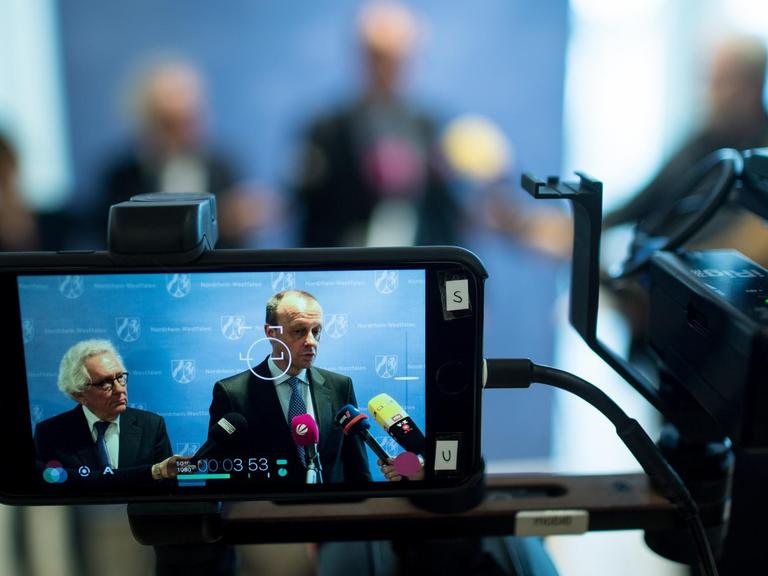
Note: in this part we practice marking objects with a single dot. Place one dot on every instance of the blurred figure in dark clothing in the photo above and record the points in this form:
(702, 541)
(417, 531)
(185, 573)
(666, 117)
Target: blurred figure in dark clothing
(736, 118)
(171, 152)
(18, 225)
(369, 175)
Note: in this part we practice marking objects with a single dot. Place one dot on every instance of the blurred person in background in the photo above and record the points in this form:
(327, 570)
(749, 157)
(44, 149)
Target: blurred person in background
(736, 118)
(369, 175)
(480, 160)
(18, 225)
(171, 153)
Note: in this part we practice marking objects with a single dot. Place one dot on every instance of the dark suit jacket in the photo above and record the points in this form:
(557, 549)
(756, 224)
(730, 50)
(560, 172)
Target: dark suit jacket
(143, 442)
(336, 199)
(343, 458)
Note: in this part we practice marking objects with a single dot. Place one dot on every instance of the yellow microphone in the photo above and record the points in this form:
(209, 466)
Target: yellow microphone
(397, 423)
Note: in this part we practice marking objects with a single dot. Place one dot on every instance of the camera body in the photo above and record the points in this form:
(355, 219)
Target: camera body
(708, 324)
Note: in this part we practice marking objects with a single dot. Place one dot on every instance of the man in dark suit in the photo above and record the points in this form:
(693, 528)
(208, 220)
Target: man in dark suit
(370, 175)
(102, 433)
(285, 385)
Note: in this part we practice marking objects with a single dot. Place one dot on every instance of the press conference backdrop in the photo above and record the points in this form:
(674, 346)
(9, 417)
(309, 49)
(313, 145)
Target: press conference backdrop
(180, 333)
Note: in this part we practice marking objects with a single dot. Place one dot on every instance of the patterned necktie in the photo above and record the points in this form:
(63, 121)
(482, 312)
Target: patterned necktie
(297, 406)
(101, 444)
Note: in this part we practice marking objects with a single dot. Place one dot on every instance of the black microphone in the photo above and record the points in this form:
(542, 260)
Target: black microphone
(230, 429)
(395, 420)
(354, 422)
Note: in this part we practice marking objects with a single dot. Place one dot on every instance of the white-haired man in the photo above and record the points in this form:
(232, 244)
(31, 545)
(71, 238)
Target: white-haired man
(172, 151)
(102, 437)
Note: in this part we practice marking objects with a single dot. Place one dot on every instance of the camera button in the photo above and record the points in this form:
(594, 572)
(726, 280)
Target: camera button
(452, 378)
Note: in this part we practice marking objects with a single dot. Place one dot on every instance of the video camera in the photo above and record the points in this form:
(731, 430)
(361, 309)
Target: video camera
(420, 311)
(702, 319)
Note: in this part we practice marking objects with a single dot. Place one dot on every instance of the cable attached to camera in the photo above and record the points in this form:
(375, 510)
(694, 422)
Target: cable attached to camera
(521, 373)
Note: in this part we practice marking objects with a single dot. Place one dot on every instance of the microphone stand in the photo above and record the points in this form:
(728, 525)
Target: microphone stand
(314, 468)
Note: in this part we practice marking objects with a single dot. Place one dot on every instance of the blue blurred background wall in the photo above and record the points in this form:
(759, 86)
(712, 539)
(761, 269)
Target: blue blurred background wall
(272, 66)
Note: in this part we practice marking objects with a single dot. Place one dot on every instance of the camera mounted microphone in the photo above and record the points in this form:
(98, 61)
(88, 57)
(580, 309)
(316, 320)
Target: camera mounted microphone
(229, 430)
(396, 422)
(306, 434)
(354, 422)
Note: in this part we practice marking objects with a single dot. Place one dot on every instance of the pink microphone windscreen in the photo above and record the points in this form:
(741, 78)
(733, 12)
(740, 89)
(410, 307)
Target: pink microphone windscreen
(407, 464)
(304, 430)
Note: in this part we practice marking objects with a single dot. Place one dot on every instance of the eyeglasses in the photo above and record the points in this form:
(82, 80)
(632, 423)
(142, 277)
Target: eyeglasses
(108, 383)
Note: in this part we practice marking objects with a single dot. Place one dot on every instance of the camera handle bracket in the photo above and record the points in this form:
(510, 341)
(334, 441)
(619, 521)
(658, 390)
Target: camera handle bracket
(586, 198)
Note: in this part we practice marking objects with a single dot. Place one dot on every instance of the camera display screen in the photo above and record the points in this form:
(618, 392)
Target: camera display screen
(125, 370)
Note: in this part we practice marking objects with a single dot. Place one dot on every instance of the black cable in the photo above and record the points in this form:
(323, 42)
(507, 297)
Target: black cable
(521, 373)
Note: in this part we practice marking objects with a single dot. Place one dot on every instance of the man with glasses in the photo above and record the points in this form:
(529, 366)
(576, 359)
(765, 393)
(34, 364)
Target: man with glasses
(102, 437)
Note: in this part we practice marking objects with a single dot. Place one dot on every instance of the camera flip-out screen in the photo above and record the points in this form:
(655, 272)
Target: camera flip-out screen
(286, 374)
(195, 364)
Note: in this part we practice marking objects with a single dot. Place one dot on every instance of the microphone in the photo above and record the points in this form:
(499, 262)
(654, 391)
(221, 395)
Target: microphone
(306, 434)
(354, 422)
(225, 433)
(395, 420)
(407, 464)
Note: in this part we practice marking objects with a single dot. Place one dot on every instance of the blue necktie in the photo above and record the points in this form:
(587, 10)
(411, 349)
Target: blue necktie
(296, 407)
(101, 444)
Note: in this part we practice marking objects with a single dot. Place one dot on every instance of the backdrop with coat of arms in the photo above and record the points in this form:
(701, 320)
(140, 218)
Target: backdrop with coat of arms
(179, 333)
